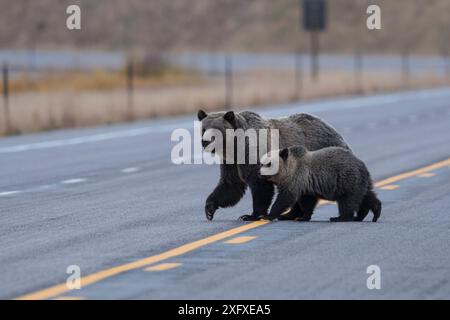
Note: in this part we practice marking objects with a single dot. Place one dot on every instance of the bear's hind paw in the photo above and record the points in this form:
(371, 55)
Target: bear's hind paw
(341, 219)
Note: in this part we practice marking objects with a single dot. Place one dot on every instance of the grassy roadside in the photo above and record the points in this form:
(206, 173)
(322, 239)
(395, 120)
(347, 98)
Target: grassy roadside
(48, 81)
(101, 99)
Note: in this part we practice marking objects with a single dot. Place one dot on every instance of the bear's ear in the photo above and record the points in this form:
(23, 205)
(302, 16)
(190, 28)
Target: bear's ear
(229, 116)
(201, 115)
(284, 154)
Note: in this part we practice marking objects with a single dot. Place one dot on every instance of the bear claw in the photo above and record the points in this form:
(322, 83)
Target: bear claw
(210, 209)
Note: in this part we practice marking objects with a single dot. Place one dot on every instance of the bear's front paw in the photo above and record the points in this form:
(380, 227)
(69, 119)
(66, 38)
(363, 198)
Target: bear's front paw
(252, 217)
(210, 209)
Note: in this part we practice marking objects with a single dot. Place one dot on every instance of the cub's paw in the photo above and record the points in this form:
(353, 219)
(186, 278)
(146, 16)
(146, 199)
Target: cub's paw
(251, 217)
(376, 215)
(341, 219)
(210, 209)
(303, 219)
(269, 218)
(288, 216)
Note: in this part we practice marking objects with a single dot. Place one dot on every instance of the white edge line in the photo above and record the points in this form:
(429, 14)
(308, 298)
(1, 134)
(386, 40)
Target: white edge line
(131, 170)
(345, 103)
(10, 193)
(73, 181)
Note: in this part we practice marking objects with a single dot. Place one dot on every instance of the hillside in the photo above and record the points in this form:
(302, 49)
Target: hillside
(419, 26)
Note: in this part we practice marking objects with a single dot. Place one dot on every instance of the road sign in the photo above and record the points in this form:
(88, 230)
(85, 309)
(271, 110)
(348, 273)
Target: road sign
(314, 20)
(314, 14)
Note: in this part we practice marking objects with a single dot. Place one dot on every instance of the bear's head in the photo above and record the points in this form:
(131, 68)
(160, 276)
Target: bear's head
(286, 161)
(214, 123)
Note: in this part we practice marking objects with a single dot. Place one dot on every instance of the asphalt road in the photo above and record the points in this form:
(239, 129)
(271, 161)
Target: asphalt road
(104, 197)
(248, 61)
(215, 62)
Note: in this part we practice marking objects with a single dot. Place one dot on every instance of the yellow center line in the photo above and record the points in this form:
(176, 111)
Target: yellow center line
(427, 175)
(413, 173)
(163, 266)
(390, 187)
(239, 240)
(107, 273)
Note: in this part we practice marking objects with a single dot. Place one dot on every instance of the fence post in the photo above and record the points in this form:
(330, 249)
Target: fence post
(211, 64)
(130, 90)
(5, 72)
(406, 68)
(298, 76)
(228, 82)
(315, 49)
(447, 64)
(358, 71)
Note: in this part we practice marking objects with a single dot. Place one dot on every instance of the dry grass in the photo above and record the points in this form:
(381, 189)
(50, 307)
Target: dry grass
(45, 109)
(95, 80)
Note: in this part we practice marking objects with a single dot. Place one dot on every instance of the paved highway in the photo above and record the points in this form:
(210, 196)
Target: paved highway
(207, 62)
(247, 61)
(110, 201)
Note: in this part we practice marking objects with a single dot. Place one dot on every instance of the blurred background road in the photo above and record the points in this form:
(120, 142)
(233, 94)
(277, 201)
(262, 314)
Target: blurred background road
(86, 116)
(144, 59)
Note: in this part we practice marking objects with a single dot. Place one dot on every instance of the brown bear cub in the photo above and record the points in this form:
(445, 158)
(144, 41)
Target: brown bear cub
(332, 173)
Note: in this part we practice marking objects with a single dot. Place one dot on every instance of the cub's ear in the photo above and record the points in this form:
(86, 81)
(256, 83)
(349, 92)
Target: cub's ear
(284, 154)
(201, 115)
(229, 116)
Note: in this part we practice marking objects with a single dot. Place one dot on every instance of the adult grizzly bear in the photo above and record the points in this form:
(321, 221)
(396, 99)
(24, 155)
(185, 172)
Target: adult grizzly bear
(333, 174)
(298, 129)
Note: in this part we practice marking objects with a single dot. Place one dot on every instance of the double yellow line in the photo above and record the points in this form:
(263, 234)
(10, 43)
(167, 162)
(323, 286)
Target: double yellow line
(107, 273)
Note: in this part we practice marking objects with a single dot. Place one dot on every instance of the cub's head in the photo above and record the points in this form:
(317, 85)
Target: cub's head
(279, 165)
(214, 125)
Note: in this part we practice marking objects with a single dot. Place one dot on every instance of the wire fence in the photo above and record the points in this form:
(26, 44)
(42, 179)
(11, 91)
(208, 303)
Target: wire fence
(42, 94)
